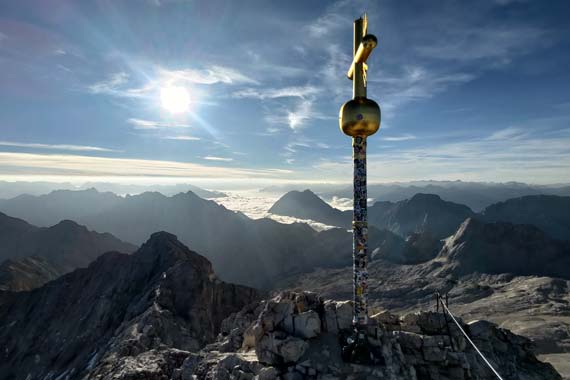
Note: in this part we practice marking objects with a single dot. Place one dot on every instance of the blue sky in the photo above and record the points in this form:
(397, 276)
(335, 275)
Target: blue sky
(468, 90)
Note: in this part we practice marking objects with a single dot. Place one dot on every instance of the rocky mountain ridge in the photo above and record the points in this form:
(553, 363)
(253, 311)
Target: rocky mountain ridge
(39, 253)
(116, 311)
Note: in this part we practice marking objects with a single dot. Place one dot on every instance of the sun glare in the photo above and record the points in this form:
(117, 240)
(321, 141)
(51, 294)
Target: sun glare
(175, 99)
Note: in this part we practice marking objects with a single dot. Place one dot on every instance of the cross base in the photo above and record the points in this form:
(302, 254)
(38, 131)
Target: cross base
(355, 347)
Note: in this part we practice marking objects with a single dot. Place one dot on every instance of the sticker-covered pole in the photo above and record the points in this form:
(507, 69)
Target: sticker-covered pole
(360, 233)
(360, 118)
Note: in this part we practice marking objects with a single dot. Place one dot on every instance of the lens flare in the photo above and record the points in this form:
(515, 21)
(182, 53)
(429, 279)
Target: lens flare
(175, 99)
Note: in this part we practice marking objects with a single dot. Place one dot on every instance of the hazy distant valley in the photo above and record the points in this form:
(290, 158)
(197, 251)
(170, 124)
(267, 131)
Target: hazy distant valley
(506, 260)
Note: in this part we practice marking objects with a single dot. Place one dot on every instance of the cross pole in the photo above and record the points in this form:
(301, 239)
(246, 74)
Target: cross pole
(360, 118)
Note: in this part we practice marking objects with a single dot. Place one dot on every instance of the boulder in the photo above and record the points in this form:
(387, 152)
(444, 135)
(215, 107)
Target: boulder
(307, 324)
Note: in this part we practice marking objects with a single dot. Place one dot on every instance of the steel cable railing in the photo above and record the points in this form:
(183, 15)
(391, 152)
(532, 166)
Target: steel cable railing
(446, 310)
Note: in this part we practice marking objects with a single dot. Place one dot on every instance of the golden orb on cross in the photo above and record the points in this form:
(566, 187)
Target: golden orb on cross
(359, 117)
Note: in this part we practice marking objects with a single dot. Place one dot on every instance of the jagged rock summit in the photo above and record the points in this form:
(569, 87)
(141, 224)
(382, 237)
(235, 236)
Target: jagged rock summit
(123, 314)
(295, 336)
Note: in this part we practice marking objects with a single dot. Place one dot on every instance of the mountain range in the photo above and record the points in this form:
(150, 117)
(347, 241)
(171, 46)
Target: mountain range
(11, 189)
(242, 250)
(35, 255)
(476, 195)
(261, 251)
(429, 213)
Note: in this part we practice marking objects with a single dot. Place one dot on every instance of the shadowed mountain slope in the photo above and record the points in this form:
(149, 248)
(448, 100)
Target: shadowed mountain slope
(550, 213)
(421, 213)
(495, 248)
(27, 273)
(48, 209)
(66, 245)
(121, 305)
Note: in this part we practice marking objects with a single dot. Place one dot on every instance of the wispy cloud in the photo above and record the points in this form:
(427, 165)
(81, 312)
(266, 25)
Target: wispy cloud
(181, 138)
(414, 83)
(212, 75)
(296, 116)
(271, 93)
(111, 85)
(215, 158)
(494, 43)
(77, 165)
(489, 157)
(333, 19)
(149, 124)
(121, 84)
(77, 148)
(510, 133)
(405, 137)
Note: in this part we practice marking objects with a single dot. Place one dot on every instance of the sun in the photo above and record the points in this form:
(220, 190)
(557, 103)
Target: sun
(175, 99)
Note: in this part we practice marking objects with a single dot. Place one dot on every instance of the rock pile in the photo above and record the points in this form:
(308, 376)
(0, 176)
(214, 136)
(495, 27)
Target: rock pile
(295, 336)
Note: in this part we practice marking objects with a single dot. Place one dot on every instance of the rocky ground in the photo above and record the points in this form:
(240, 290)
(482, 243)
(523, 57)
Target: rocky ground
(536, 307)
(296, 336)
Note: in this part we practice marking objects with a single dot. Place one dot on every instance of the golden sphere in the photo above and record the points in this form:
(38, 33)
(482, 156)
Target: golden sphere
(359, 117)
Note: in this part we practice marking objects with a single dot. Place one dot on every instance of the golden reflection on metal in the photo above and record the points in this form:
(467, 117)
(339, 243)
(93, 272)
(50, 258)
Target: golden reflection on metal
(360, 116)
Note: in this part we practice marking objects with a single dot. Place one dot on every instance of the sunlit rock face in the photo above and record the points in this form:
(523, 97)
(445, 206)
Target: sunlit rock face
(121, 313)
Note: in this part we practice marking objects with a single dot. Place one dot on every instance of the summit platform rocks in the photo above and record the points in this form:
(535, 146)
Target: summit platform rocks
(295, 335)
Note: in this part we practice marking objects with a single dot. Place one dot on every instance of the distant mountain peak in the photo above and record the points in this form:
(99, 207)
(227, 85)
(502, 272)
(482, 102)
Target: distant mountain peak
(162, 237)
(166, 248)
(425, 197)
(308, 205)
(68, 224)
